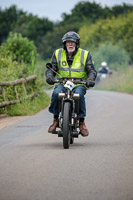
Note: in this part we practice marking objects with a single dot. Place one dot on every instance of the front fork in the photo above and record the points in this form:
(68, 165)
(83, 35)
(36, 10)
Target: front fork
(73, 114)
(74, 100)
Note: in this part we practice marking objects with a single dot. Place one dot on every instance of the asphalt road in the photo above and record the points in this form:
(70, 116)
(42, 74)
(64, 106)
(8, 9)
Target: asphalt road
(34, 165)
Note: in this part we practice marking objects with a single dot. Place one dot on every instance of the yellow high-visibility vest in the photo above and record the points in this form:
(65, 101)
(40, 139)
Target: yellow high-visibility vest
(78, 65)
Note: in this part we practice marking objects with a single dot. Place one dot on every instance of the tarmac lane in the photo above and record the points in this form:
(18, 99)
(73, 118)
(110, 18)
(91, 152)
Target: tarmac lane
(34, 165)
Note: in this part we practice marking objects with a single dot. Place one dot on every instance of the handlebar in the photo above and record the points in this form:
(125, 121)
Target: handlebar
(73, 79)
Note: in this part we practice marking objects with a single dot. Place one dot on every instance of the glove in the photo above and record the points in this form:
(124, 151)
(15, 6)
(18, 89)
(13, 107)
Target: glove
(50, 80)
(90, 83)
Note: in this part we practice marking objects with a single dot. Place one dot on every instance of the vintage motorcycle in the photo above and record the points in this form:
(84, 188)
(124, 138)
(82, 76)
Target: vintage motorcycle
(68, 110)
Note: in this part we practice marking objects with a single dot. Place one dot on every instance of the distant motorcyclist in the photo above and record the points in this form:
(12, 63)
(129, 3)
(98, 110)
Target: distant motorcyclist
(71, 61)
(104, 69)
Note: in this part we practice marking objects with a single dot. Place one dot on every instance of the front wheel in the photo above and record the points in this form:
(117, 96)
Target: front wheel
(66, 124)
(71, 140)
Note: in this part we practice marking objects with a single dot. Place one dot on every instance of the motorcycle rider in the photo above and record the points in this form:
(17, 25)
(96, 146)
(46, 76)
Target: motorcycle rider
(71, 61)
(103, 69)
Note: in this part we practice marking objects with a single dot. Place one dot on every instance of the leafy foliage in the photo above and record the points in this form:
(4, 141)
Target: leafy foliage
(112, 30)
(8, 20)
(92, 12)
(114, 55)
(21, 49)
(83, 10)
(52, 40)
(33, 27)
(10, 70)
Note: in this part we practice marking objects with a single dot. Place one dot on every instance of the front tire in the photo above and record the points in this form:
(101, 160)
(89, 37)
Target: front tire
(71, 140)
(66, 124)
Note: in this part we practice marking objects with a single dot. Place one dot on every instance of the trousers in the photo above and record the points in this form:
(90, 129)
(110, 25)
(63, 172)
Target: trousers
(81, 90)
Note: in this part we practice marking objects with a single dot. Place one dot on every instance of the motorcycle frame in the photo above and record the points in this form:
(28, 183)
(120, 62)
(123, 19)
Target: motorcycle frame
(68, 97)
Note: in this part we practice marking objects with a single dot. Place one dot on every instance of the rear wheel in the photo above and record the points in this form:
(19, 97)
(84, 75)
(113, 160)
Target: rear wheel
(66, 125)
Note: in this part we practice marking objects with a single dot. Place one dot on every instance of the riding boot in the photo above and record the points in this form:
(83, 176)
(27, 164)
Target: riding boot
(83, 129)
(53, 127)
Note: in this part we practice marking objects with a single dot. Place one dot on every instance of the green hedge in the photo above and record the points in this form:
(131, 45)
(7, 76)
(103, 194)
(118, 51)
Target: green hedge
(21, 49)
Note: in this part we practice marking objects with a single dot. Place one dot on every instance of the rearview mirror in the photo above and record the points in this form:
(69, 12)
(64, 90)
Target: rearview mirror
(49, 65)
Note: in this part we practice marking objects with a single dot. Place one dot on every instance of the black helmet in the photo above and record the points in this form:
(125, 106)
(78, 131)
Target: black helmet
(71, 36)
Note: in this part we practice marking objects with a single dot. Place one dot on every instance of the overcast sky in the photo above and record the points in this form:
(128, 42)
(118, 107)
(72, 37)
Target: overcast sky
(52, 9)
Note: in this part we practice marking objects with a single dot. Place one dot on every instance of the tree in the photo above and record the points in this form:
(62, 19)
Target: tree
(33, 27)
(8, 19)
(52, 41)
(81, 12)
(109, 30)
(121, 9)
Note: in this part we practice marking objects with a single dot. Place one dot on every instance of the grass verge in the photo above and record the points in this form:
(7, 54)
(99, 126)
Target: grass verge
(28, 107)
(122, 81)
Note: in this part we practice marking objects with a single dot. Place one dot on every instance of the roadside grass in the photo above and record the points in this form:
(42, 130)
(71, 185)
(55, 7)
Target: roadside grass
(28, 107)
(10, 71)
(122, 81)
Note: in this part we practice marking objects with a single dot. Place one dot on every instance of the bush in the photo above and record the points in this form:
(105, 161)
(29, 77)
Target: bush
(19, 48)
(11, 70)
(14, 66)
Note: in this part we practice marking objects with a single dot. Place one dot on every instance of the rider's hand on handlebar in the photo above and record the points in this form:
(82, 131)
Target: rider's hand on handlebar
(90, 83)
(50, 80)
